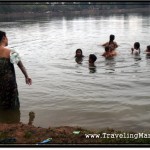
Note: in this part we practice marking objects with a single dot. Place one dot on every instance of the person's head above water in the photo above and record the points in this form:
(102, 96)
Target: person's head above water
(136, 45)
(92, 58)
(78, 53)
(112, 37)
(148, 48)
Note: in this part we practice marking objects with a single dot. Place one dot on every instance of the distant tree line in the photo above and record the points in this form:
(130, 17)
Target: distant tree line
(15, 7)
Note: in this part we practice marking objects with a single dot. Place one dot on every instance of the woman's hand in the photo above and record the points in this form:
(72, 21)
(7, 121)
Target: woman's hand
(28, 81)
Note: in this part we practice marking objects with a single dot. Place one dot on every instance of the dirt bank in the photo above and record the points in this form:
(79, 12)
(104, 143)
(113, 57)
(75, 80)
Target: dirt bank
(21, 134)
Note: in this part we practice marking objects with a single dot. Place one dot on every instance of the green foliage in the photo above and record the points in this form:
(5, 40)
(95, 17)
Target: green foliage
(3, 134)
(27, 134)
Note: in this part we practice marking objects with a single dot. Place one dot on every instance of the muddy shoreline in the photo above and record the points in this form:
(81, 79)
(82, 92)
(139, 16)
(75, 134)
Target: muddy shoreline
(24, 134)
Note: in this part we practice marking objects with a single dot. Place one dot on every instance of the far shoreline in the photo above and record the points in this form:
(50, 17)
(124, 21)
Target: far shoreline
(91, 12)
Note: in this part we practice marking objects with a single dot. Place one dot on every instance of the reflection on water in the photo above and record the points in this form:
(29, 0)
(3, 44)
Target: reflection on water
(92, 68)
(66, 91)
(9, 116)
(110, 63)
(137, 57)
(31, 118)
(13, 116)
(147, 56)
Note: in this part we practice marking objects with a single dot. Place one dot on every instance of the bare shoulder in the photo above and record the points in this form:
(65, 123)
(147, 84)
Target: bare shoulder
(4, 49)
(105, 44)
(4, 52)
(116, 44)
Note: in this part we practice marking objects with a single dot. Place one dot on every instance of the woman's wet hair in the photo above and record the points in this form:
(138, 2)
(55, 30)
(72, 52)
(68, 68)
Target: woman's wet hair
(92, 57)
(77, 51)
(2, 34)
(137, 45)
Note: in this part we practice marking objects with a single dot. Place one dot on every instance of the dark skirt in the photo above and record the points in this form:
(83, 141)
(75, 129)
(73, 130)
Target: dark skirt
(8, 86)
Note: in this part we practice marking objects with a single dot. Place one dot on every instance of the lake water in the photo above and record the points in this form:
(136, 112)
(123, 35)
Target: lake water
(116, 95)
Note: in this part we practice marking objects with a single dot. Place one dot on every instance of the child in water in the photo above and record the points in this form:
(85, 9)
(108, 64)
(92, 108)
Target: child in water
(79, 56)
(112, 44)
(136, 49)
(108, 53)
(92, 59)
(148, 50)
(79, 53)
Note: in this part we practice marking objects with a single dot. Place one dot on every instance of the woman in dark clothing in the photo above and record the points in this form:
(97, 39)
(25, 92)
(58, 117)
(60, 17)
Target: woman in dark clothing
(8, 87)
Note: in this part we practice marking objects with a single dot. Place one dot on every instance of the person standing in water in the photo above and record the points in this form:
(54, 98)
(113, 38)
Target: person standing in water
(79, 56)
(136, 50)
(148, 49)
(107, 53)
(92, 60)
(112, 44)
(8, 86)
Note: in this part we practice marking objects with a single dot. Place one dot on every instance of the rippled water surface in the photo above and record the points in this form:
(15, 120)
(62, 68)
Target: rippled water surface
(117, 95)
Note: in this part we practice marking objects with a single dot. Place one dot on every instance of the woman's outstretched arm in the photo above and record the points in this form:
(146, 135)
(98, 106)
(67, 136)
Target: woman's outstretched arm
(22, 68)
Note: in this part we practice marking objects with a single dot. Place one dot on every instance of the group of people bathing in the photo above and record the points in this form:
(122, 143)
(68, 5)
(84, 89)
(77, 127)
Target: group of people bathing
(110, 51)
(9, 98)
